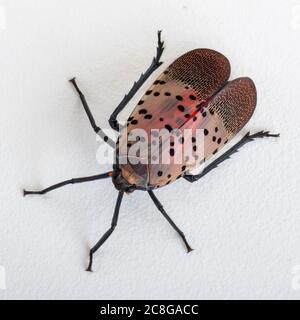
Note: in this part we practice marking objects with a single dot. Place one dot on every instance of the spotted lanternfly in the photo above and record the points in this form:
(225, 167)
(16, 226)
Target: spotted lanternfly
(194, 92)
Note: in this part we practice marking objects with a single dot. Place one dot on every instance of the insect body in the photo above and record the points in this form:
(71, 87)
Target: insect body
(193, 93)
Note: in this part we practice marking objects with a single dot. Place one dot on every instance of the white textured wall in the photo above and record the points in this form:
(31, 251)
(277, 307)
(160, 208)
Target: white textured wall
(243, 218)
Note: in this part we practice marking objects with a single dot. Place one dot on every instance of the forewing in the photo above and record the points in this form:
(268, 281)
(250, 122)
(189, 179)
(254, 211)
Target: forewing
(221, 118)
(187, 82)
(175, 94)
(193, 93)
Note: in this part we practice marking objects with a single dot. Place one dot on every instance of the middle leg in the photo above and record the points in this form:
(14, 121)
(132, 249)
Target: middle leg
(162, 210)
(108, 232)
(71, 181)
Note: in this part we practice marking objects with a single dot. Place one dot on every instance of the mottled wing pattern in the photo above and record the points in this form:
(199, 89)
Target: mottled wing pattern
(221, 118)
(189, 80)
(228, 112)
(192, 93)
(235, 104)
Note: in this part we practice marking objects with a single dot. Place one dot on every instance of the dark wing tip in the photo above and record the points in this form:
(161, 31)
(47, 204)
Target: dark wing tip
(235, 103)
(205, 70)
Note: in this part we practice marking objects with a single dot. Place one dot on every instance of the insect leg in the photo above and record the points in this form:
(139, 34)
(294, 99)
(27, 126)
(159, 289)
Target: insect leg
(136, 86)
(90, 116)
(108, 232)
(226, 155)
(71, 181)
(162, 210)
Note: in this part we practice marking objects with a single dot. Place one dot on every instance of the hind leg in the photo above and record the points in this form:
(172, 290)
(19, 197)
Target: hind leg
(247, 138)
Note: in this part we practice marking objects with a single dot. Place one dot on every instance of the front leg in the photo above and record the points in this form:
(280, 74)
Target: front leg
(136, 86)
(247, 138)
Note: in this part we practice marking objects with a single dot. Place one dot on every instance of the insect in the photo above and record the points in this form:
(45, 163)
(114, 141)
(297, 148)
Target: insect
(194, 92)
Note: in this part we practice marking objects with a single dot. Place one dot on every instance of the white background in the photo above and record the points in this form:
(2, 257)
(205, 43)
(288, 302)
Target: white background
(243, 218)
